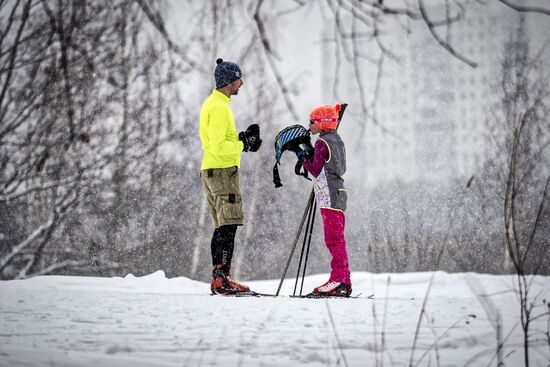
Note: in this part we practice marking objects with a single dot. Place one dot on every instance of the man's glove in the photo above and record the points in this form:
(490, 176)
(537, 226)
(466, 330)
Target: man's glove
(251, 138)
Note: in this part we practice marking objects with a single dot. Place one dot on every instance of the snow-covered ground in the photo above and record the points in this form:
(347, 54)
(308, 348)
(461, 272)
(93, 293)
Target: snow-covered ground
(155, 321)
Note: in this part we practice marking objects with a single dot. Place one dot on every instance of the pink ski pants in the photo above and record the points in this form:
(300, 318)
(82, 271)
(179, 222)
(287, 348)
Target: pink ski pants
(334, 222)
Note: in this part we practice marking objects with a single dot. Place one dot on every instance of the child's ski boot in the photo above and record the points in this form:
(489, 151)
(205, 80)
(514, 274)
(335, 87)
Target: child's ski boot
(332, 289)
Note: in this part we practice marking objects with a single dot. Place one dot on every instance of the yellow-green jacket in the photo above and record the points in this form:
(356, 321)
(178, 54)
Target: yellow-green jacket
(220, 141)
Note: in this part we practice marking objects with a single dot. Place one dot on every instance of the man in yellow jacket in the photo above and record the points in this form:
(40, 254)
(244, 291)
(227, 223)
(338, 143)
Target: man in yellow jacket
(222, 147)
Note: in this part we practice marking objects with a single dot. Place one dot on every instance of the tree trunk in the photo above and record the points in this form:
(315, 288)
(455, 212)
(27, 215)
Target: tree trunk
(198, 241)
(120, 176)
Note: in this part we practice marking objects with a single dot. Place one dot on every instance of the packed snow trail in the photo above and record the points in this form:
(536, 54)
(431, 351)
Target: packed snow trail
(155, 321)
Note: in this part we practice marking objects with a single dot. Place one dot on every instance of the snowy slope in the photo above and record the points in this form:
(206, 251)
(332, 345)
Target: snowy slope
(155, 321)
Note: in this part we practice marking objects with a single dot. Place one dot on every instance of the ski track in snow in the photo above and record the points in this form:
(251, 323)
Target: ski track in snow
(155, 321)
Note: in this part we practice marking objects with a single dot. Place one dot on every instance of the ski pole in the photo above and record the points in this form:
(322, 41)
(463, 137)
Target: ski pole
(303, 248)
(304, 216)
(308, 245)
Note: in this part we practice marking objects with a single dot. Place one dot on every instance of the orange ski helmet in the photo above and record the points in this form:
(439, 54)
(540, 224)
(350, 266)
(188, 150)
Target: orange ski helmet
(325, 117)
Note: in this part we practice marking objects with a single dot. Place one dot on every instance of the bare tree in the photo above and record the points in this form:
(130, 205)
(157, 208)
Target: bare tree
(44, 120)
(60, 94)
(521, 137)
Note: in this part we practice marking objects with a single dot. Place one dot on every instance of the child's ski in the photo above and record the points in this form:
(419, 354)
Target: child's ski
(317, 296)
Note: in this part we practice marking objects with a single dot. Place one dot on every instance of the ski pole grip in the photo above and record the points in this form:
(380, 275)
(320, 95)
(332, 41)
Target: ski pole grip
(343, 107)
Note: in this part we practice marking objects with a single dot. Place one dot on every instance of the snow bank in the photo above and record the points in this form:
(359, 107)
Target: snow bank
(155, 321)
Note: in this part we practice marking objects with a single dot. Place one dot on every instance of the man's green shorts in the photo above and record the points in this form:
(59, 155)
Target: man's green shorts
(223, 193)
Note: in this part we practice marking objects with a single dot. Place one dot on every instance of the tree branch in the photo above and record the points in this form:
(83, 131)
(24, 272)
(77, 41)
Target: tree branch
(27, 241)
(269, 55)
(431, 25)
(525, 8)
(158, 23)
(16, 44)
(53, 267)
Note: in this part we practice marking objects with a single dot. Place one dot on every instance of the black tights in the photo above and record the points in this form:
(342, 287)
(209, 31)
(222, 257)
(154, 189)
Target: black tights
(223, 242)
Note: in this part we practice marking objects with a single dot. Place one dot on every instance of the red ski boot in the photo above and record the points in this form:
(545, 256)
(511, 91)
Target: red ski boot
(223, 284)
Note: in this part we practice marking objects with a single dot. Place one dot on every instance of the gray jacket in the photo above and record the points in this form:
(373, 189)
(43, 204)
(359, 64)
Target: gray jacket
(329, 184)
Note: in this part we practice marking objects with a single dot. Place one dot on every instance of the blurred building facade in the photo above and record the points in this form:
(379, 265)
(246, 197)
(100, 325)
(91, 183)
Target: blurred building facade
(439, 107)
(431, 108)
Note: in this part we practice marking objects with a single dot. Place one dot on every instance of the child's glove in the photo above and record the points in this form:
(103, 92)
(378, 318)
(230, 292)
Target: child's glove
(305, 153)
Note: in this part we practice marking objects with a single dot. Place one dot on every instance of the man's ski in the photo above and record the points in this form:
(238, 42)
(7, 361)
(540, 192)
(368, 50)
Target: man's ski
(238, 294)
(245, 294)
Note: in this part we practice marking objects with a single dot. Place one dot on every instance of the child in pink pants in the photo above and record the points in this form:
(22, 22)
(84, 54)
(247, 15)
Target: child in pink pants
(327, 165)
